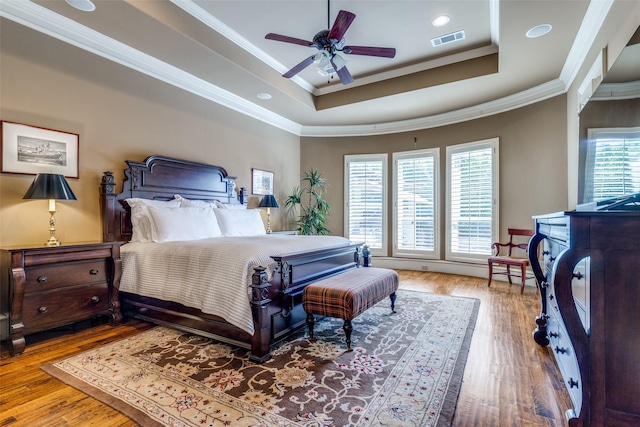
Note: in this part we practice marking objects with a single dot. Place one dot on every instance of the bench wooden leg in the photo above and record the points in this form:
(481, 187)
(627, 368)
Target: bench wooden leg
(392, 297)
(348, 328)
(311, 320)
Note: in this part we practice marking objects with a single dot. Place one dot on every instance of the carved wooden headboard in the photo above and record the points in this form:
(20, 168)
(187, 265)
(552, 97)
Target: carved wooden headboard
(160, 178)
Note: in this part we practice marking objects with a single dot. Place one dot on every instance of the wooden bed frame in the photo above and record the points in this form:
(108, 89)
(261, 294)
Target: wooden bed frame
(276, 305)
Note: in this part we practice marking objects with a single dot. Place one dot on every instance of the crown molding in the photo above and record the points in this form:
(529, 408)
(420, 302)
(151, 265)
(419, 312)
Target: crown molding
(518, 100)
(45, 21)
(617, 91)
(215, 24)
(591, 24)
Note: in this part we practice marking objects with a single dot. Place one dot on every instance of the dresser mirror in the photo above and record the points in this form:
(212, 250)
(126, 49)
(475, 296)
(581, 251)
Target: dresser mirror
(610, 120)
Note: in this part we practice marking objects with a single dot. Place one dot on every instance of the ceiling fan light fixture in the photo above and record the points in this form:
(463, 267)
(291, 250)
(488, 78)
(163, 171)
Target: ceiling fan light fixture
(83, 5)
(441, 20)
(321, 59)
(339, 62)
(538, 31)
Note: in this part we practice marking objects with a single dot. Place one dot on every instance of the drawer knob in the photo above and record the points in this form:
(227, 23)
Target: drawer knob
(553, 334)
(573, 383)
(577, 275)
(561, 350)
(42, 309)
(42, 279)
(93, 272)
(95, 298)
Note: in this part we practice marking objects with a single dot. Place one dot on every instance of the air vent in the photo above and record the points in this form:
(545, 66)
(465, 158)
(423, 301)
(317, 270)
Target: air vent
(448, 38)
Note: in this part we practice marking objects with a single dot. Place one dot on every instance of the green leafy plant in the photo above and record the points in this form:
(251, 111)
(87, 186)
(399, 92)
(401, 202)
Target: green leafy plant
(308, 199)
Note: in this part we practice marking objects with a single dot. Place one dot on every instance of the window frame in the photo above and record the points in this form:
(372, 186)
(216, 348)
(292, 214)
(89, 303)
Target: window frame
(493, 144)
(383, 157)
(417, 253)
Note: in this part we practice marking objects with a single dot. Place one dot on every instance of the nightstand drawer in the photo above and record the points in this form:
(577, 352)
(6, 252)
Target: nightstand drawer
(53, 276)
(59, 307)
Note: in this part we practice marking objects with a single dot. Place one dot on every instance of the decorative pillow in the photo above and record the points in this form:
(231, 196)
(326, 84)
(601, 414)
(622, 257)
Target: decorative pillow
(183, 223)
(140, 216)
(195, 203)
(240, 222)
(230, 205)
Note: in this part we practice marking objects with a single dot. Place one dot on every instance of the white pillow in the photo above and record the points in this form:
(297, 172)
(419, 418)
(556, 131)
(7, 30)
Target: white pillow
(235, 222)
(183, 223)
(140, 216)
(195, 203)
(230, 205)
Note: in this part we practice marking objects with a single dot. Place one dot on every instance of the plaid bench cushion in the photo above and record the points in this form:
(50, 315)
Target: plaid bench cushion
(347, 295)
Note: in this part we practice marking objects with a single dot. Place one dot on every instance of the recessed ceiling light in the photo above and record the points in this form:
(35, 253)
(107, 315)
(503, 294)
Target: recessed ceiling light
(538, 31)
(263, 95)
(84, 5)
(441, 20)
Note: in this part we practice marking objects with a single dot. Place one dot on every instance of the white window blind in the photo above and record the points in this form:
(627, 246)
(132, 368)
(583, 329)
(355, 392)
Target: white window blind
(472, 188)
(415, 193)
(613, 163)
(366, 200)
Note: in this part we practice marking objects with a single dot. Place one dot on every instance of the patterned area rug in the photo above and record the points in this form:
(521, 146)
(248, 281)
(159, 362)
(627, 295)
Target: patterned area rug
(405, 370)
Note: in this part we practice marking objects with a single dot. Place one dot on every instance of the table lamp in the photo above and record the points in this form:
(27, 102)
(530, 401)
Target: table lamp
(268, 201)
(52, 187)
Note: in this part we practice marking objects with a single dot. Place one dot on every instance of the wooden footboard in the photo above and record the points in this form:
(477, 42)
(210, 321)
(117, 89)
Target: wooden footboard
(276, 304)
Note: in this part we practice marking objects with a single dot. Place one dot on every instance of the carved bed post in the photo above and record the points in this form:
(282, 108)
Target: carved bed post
(259, 308)
(107, 199)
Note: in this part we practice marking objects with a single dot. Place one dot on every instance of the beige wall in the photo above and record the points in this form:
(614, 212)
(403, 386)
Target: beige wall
(120, 114)
(532, 159)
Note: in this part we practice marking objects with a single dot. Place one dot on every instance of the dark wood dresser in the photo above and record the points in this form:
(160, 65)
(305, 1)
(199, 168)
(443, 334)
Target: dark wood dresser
(589, 283)
(47, 287)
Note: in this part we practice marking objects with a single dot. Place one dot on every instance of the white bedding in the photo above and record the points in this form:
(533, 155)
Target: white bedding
(211, 275)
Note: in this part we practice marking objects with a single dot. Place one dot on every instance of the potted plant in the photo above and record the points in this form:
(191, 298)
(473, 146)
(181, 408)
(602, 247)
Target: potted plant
(308, 199)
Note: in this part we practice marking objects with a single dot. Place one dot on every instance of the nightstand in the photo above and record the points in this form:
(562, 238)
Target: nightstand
(293, 232)
(47, 287)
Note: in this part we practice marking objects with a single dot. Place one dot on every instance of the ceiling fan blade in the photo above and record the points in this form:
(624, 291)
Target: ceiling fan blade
(287, 39)
(343, 73)
(301, 66)
(341, 24)
(385, 52)
(345, 76)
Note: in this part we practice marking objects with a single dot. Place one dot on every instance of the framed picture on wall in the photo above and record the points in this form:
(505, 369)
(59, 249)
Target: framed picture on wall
(261, 182)
(32, 150)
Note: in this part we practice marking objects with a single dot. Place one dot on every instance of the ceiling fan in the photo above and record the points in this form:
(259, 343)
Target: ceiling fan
(329, 43)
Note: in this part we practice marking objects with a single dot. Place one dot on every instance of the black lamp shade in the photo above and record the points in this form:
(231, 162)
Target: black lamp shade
(268, 201)
(50, 186)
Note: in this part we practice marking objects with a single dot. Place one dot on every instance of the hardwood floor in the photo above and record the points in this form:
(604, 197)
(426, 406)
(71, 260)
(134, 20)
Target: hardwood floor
(508, 381)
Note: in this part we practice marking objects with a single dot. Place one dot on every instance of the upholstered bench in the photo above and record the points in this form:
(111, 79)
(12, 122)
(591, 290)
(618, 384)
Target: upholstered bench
(349, 294)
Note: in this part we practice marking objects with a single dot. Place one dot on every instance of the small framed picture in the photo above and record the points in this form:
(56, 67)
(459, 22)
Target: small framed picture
(31, 150)
(261, 182)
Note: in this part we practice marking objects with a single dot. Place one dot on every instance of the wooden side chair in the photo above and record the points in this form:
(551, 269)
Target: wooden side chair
(511, 254)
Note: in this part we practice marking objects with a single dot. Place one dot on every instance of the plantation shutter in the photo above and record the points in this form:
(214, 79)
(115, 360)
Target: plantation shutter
(365, 204)
(471, 199)
(415, 192)
(613, 163)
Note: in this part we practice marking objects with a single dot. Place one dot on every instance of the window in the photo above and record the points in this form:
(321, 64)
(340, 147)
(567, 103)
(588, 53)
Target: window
(612, 163)
(472, 200)
(415, 215)
(366, 201)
